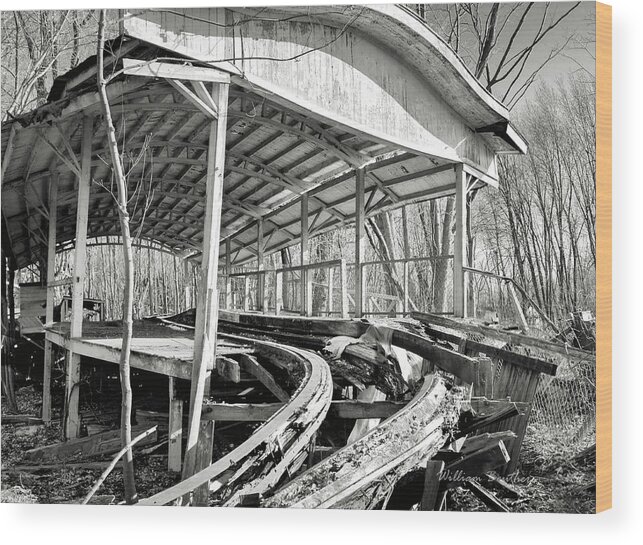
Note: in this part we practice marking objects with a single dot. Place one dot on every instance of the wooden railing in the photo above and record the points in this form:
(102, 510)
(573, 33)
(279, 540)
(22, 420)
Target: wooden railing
(395, 305)
(335, 270)
(263, 290)
(512, 287)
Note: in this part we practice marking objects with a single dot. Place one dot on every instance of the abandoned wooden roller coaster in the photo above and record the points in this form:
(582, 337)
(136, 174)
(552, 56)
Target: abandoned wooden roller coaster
(428, 407)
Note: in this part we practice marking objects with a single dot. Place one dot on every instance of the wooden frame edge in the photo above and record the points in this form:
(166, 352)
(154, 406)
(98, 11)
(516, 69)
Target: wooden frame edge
(604, 257)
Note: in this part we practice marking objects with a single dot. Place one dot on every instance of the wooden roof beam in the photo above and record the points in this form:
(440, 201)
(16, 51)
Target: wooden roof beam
(203, 107)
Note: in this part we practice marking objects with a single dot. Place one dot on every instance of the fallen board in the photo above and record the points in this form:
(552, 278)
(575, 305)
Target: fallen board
(107, 442)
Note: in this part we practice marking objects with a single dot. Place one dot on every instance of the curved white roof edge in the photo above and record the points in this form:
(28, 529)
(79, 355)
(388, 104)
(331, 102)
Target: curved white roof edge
(398, 28)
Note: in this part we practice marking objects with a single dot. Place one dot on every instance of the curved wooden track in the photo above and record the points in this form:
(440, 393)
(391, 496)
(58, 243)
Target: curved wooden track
(359, 475)
(412, 434)
(278, 447)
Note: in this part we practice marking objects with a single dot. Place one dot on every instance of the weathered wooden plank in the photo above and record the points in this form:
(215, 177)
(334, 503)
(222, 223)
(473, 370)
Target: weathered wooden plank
(72, 386)
(102, 443)
(251, 365)
(514, 339)
(360, 241)
(259, 412)
(450, 361)
(175, 430)
(487, 497)
(484, 407)
(431, 485)
(229, 369)
(508, 356)
(49, 308)
(166, 70)
(460, 243)
(479, 461)
(168, 366)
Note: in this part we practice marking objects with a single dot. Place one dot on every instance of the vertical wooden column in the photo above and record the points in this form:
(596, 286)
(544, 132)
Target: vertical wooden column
(49, 309)
(246, 293)
(186, 284)
(460, 244)
(279, 296)
(432, 474)
(330, 290)
(360, 240)
(261, 277)
(200, 435)
(407, 255)
(306, 278)
(175, 429)
(72, 384)
(344, 289)
(228, 271)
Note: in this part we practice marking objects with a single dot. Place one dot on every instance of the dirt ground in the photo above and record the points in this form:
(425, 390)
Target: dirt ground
(548, 480)
(64, 485)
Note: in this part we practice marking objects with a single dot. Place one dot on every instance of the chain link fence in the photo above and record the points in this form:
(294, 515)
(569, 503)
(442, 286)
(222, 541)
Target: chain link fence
(564, 408)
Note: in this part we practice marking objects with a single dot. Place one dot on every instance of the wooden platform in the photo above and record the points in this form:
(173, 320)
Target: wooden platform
(155, 347)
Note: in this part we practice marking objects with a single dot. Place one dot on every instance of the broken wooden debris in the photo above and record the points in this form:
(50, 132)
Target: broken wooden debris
(107, 442)
(514, 339)
(483, 407)
(312, 333)
(477, 462)
(278, 447)
(515, 358)
(138, 439)
(499, 483)
(473, 422)
(20, 419)
(432, 477)
(251, 365)
(486, 497)
(37, 468)
(229, 369)
(586, 455)
(413, 433)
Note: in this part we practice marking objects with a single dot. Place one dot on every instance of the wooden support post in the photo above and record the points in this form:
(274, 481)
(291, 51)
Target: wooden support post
(186, 284)
(360, 240)
(405, 265)
(200, 435)
(261, 277)
(49, 310)
(330, 289)
(432, 474)
(344, 288)
(228, 271)
(471, 303)
(246, 293)
(175, 429)
(460, 244)
(72, 384)
(306, 277)
(483, 386)
(521, 315)
(279, 296)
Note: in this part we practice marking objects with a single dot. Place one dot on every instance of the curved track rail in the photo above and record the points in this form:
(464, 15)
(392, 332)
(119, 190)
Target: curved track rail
(279, 446)
(412, 434)
(360, 475)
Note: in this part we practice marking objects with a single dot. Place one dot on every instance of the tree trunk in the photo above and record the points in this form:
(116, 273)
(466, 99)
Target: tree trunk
(128, 288)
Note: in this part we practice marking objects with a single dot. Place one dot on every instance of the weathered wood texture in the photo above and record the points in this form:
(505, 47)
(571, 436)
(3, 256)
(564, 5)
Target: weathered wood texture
(414, 431)
(250, 468)
(108, 442)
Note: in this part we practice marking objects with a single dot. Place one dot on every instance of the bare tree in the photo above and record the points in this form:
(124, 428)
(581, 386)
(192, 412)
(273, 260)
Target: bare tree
(128, 287)
(36, 47)
(502, 44)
